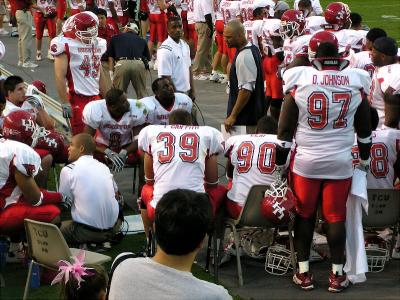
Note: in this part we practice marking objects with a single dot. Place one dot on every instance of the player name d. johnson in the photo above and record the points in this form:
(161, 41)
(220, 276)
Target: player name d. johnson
(331, 80)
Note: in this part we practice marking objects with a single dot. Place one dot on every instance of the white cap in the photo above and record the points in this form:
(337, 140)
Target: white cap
(2, 50)
(132, 26)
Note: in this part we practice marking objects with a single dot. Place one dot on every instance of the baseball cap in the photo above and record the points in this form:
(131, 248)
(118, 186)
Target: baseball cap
(132, 26)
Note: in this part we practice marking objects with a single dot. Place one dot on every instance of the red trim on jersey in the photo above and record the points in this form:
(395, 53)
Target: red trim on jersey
(8, 187)
(293, 92)
(69, 74)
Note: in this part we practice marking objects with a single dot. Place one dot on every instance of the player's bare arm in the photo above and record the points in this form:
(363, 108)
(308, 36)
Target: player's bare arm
(363, 128)
(191, 92)
(60, 70)
(242, 99)
(211, 171)
(148, 169)
(28, 187)
(392, 108)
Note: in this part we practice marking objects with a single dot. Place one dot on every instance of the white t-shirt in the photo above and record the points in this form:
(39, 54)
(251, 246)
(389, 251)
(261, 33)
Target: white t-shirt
(158, 115)
(174, 60)
(362, 60)
(110, 132)
(295, 47)
(104, 5)
(253, 159)
(144, 279)
(327, 101)
(384, 152)
(383, 78)
(246, 69)
(15, 155)
(26, 105)
(317, 8)
(74, 4)
(92, 188)
(202, 8)
(84, 63)
(179, 153)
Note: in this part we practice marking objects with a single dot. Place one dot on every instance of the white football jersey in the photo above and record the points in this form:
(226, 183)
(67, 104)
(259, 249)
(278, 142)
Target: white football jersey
(104, 5)
(384, 152)
(362, 60)
(327, 101)
(270, 28)
(246, 9)
(179, 153)
(349, 38)
(84, 63)
(256, 32)
(75, 4)
(43, 4)
(297, 46)
(190, 14)
(112, 133)
(158, 115)
(230, 10)
(383, 78)
(248, 29)
(314, 24)
(253, 159)
(15, 155)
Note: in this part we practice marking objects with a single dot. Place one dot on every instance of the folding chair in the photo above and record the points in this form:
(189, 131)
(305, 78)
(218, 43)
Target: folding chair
(383, 211)
(47, 246)
(251, 217)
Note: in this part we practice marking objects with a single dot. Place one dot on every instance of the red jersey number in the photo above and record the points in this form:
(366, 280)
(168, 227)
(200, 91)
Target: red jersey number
(265, 159)
(189, 143)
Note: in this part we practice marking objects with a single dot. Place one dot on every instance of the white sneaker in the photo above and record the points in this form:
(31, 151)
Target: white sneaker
(29, 64)
(214, 77)
(49, 56)
(155, 66)
(38, 56)
(45, 33)
(224, 79)
(151, 64)
(20, 63)
(3, 31)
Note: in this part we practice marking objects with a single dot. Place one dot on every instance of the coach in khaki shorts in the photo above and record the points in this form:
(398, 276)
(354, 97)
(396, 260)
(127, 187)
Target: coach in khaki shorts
(128, 57)
(92, 189)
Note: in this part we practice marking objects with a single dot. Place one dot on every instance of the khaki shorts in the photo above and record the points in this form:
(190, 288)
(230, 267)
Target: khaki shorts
(3, 10)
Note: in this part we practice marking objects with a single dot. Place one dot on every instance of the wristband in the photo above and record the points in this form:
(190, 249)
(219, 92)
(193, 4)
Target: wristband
(284, 144)
(365, 140)
(211, 183)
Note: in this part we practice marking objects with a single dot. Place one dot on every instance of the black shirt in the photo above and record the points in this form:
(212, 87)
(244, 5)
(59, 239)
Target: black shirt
(129, 45)
(255, 107)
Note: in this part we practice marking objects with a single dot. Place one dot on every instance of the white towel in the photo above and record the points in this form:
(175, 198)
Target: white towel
(356, 258)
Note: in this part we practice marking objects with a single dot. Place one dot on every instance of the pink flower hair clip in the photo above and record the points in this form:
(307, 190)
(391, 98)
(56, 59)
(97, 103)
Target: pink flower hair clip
(76, 270)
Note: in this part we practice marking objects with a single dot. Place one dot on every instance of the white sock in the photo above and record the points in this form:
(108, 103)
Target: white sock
(337, 269)
(304, 266)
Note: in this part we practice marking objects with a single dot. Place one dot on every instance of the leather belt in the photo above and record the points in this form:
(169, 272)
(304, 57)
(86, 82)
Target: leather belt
(94, 229)
(128, 58)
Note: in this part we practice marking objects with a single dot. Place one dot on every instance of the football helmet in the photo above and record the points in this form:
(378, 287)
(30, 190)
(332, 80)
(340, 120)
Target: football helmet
(337, 14)
(38, 85)
(50, 12)
(82, 26)
(278, 204)
(278, 258)
(292, 24)
(377, 253)
(20, 125)
(255, 242)
(319, 38)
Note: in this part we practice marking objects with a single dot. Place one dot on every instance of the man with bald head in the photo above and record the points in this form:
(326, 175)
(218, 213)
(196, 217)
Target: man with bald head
(93, 191)
(246, 92)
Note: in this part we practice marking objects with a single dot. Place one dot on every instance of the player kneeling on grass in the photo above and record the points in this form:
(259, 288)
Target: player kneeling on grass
(179, 155)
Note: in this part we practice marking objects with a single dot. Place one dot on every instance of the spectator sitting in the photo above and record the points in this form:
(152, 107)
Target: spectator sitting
(182, 220)
(93, 191)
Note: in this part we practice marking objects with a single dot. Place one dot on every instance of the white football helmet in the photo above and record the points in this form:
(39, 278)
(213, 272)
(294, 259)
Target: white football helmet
(377, 253)
(278, 259)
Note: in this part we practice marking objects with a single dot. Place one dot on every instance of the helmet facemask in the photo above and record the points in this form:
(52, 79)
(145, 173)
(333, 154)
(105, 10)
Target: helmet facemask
(87, 36)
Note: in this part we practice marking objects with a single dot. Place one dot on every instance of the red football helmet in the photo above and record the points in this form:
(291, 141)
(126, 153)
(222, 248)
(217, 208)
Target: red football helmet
(83, 26)
(50, 12)
(278, 204)
(40, 85)
(319, 38)
(292, 24)
(337, 14)
(20, 125)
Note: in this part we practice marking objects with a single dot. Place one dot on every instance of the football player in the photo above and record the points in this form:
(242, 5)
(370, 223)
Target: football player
(76, 6)
(324, 105)
(115, 13)
(115, 122)
(164, 101)
(251, 160)
(362, 60)
(309, 7)
(77, 55)
(385, 87)
(314, 22)
(179, 155)
(20, 197)
(61, 6)
(45, 14)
